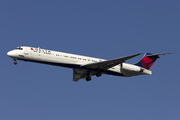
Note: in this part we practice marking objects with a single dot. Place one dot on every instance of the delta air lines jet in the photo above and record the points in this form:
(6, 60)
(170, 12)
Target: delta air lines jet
(84, 67)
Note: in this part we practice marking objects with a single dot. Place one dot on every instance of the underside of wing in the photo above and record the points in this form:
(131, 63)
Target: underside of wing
(76, 76)
(82, 74)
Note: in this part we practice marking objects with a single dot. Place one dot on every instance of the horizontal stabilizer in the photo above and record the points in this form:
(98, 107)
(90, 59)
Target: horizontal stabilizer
(159, 54)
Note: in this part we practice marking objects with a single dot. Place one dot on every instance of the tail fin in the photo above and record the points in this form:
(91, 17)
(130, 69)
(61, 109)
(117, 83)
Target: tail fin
(148, 60)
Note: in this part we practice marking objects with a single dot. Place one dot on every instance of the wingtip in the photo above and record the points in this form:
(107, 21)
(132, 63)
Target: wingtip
(167, 53)
(171, 52)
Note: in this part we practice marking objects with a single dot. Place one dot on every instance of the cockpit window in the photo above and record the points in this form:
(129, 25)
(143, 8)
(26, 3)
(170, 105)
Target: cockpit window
(19, 48)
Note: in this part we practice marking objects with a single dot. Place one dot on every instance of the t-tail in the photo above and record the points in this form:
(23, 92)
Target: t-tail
(148, 60)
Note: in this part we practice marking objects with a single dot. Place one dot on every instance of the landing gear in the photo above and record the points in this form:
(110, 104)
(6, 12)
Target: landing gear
(15, 61)
(88, 78)
(98, 74)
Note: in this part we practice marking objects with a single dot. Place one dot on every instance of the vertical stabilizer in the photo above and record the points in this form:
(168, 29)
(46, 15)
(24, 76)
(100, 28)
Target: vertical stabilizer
(147, 61)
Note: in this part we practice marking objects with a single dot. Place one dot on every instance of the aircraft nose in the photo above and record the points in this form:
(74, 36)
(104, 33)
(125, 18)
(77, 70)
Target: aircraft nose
(11, 53)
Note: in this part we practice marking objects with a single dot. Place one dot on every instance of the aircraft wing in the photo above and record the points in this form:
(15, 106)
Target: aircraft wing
(104, 65)
(76, 75)
(99, 66)
(81, 74)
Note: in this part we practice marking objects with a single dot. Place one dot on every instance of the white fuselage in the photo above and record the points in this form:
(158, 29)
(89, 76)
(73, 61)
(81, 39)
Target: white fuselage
(72, 61)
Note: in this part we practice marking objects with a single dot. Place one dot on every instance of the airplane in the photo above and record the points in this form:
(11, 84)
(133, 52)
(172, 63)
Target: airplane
(84, 67)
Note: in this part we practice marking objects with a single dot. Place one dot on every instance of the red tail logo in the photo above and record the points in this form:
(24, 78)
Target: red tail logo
(147, 61)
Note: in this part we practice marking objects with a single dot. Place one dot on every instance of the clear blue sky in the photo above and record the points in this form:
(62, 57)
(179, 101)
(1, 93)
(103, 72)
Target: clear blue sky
(98, 28)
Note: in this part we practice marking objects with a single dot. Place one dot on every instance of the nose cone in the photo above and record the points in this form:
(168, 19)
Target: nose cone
(11, 54)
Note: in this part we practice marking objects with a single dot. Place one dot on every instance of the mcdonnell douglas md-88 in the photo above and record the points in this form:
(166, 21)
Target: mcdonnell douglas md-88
(84, 67)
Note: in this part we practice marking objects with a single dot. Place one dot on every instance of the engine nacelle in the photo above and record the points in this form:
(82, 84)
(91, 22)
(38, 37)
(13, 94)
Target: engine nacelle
(133, 70)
